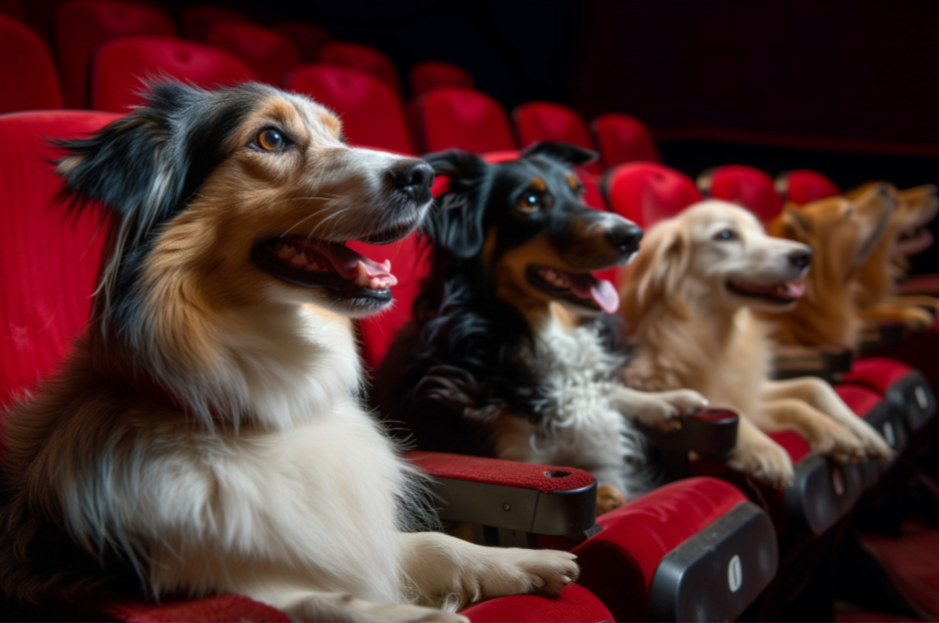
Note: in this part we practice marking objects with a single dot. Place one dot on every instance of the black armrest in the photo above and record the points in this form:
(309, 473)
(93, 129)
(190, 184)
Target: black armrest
(827, 362)
(879, 335)
(711, 433)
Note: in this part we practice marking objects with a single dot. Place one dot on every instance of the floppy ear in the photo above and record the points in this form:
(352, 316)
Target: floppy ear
(565, 153)
(456, 222)
(791, 224)
(656, 273)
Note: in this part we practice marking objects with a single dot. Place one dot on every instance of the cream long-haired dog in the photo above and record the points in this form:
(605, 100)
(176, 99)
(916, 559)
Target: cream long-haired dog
(206, 434)
(689, 299)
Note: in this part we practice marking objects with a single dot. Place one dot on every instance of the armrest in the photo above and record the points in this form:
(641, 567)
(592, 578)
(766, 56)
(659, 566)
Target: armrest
(711, 433)
(920, 284)
(878, 335)
(827, 362)
(508, 502)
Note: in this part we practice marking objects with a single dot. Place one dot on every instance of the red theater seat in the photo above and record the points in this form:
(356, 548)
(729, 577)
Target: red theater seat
(430, 75)
(310, 39)
(120, 66)
(363, 58)
(743, 185)
(455, 117)
(83, 25)
(803, 186)
(30, 82)
(623, 139)
(198, 20)
(268, 52)
(12, 9)
(646, 192)
(547, 121)
(371, 113)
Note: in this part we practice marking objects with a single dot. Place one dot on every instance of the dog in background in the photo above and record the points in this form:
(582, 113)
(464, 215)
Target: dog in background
(842, 233)
(513, 353)
(886, 265)
(689, 301)
(206, 434)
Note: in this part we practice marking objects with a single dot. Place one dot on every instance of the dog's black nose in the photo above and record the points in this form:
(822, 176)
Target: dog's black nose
(800, 259)
(413, 177)
(625, 237)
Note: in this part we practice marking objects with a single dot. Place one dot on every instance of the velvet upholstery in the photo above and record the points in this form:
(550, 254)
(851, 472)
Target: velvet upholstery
(547, 121)
(455, 117)
(83, 25)
(746, 186)
(429, 75)
(31, 82)
(363, 58)
(622, 138)
(804, 186)
(310, 39)
(270, 53)
(646, 192)
(198, 20)
(120, 66)
(542, 478)
(575, 604)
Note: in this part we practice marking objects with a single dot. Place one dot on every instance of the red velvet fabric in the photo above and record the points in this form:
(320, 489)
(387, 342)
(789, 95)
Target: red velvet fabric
(310, 39)
(83, 25)
(45, 301)
(363, 58)
(198, 20)
(646, 192)
(638, 535)
(745, 186)
(623, 139)
(805, 186)
(28, 75)
(120, 65)
(270, 53)
(13, 10)
(574, 604)
(454, 117)
(547, 121)
(878, 373)
(429, 75)
(794, 445)
(859, 398)
(543, 478)
(218, 608)
(371, 112)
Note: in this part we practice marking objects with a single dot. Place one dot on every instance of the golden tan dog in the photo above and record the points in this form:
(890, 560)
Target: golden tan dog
(690, 298)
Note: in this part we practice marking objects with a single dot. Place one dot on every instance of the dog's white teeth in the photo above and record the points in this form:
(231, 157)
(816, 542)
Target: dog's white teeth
(285, 251)
(299, 260)
(361, 276)
(313, 266)
(556, 279)
(387, 266)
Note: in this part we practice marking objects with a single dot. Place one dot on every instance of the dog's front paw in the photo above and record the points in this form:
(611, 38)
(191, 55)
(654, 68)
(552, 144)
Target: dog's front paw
(875, 446)
(828, 438)
(916, 319)
(686, 401)
(764, 461)
(522, 571)
(608, 498)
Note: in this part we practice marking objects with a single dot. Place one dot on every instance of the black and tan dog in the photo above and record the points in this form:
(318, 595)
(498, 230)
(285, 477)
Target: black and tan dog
(513, 352)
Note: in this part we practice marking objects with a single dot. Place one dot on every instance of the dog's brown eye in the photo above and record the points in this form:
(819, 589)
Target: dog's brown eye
(726, 234)
(269, 140)
(529, 202)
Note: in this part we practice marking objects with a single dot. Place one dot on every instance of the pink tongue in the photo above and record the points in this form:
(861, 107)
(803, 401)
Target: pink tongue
(346, 261)
(794, 291)
(600, 290)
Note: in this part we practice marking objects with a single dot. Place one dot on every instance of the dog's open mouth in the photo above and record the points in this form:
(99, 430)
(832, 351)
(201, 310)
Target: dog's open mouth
(321, 264)
(911, 242)
(784, 292)
(581, 289)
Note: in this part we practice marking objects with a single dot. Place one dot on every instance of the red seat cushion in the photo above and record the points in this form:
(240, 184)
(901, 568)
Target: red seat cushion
(805, 186)
(120, 65)
(646, 192)
(638, 535)
(31, 82)
(430, 75)
(310, 39)
(878, 373)
(198, 20)
(454, 117)
(83, 25)
(547, 121)
(45, 300)
(859, 398)
(623, 139)
(363, 58)
(371, 112)
(748, 187)
(574, 604)
(268, 52)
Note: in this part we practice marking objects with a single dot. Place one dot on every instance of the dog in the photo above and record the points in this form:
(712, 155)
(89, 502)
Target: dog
(842, 233)
(905, 235)
(206, 434)
(513, 352)
(689, 301)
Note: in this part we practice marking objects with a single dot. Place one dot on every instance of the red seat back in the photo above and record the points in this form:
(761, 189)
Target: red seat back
(748, 187)
(198, 20)
(547, 121)
(121, 65)
(83, 25)
(12, 9)
(310, 39)
(371, 112)
(48, 264)
(804, 186)
(31, 82)
(430, 75)
(363, 58)
(623, 139)
(646, 192)
(455, 117)
(268, 52)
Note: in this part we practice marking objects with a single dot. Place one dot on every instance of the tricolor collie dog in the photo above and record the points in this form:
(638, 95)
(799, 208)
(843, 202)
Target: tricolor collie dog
(206, 435)
(512, 352)
(689, 300)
